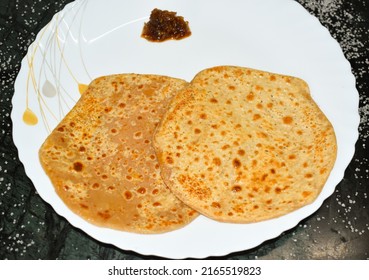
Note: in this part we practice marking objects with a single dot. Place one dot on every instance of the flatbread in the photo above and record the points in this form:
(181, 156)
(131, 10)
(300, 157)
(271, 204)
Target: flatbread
(242, 145)
(101, 160)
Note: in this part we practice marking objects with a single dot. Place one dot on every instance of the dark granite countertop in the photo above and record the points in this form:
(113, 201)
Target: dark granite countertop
(30, 229)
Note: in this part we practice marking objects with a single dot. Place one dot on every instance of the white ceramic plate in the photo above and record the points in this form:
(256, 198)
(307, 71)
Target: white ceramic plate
(93, 38)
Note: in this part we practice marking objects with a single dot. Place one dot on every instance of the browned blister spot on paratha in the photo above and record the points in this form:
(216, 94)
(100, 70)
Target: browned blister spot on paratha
(263, 150)
(101, 160)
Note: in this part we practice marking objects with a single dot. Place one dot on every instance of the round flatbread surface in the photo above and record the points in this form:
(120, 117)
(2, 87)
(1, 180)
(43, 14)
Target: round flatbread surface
(101, 160)
(242, 145)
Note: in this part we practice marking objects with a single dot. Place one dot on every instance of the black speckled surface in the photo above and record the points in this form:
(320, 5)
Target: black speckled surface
(30, 229)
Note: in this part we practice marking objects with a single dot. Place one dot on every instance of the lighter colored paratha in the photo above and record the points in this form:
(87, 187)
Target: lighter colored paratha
(241, 145)
(101, 160)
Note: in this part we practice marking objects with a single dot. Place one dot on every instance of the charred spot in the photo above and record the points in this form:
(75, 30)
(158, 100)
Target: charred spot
(225, 147)
(217, 161)
(236, 188)
(138, 134)
(323, 170)
(250, 96)
(241, 152)
(141, 190)
(108, 109)
(216, 205)
(236, 163)
(156, 204)
(238, 209)
(127, 194)
(213, 100)
(105, 215)
(237, 126)
(256, 117)
(169, 160)
(197, 131)
(287, 120)
(262, 135)
(306, 193)
(203, 116)
(264, 176)
(78, 166)
(150, 226)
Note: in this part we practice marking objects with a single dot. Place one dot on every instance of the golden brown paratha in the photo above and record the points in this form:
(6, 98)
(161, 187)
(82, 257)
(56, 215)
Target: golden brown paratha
(101, 160)
(242, 145)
